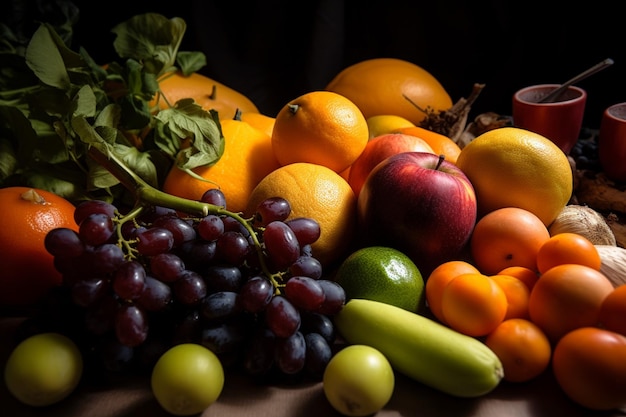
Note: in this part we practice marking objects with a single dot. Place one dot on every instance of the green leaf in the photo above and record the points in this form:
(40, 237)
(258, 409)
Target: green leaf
(84, 102)
(8, 159)
(150, 38)
(49, 58)
(190, 62)
(187, 120)
(45, 60)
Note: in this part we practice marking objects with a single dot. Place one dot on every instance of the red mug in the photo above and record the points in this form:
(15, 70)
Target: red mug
(612, 142)
(560, 121)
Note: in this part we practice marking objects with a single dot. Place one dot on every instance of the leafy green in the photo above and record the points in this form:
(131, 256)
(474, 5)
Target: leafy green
(56, 103)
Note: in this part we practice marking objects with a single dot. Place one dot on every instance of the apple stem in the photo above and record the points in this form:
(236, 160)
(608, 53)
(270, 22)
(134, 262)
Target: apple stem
(442, 157)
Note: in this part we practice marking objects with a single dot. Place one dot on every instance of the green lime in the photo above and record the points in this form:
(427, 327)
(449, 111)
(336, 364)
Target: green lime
(382, 274)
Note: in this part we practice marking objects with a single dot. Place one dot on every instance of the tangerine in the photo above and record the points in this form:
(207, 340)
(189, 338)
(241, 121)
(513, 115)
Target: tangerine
(522, 347)
(247, 158)
(320, 127)
(317, 192)
(473, 304)
(441, 144)
(384, 85)
(567, 248)
(28, 270)
(505, 237)
(517, 295)
(567, 297)
(526, 275)
(613, 311)
(439, 278)
(513, 167)
(590, 366)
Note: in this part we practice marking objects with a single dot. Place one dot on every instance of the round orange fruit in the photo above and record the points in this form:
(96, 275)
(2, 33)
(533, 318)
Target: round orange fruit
(28, 271)
(320, 127)
(391, 86)
(247, 158)
(317, 192)
(206, 92)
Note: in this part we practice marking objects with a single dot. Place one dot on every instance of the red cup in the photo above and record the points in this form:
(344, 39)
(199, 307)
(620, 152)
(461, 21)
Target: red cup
(612, 142)
(559, 121)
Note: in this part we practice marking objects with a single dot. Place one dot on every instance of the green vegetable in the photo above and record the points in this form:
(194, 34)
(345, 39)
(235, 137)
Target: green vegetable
(56, 103)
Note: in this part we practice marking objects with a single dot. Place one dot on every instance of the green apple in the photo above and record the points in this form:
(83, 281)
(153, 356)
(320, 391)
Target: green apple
(358, 381)
(187, 379)
(43, 369)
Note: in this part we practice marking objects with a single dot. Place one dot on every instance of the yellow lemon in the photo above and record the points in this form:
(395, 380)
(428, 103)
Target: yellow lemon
(513, 167)
(386, 123)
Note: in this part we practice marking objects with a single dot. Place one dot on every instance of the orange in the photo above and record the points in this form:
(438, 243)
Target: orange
(567, 248)
(526, 275)
(382, 86)
(590, 366)
(317, 192)
(260, 121)
(613, 311)
(522, 347)
(517, 295)
(506, 237)
(473, 304)
(441, 144)
(439, 278)
(28, 271)
(378, 149)
(247, 158)
(206, 92)
(567, 297)
(320, 127)
(513, 167)
(385, 123)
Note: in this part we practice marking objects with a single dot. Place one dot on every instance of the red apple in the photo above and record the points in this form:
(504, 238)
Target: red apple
(420, 204)
(379, 148)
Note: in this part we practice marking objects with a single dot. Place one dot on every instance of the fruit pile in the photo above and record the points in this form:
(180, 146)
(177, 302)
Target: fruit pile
(267, 243)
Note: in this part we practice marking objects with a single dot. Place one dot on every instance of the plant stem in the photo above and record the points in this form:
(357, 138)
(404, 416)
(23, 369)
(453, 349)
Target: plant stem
(145, 194)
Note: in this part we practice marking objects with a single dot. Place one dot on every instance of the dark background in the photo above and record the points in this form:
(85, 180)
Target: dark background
(273, 50)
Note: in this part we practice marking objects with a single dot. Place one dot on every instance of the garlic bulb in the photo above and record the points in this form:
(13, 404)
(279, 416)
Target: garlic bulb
(613, 263)
(586, 222)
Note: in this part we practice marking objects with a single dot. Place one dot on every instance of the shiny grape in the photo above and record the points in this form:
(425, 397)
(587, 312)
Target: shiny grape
(251, 290)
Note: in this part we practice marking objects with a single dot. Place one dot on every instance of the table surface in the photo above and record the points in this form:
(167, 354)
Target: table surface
(243, 397)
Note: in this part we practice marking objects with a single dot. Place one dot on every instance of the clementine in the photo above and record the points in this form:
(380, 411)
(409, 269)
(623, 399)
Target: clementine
(439, 278)
(382, 86)
(526, 275)
(509, 236)
(522, 347)
(567, 248)
(517, 295)
(247, 158)
(320, 127)
(317, 192)
(441, 144)
(28, 270)
(473, 304)
(567, 297)
(613, 311)
(590, 366)
(513, 167)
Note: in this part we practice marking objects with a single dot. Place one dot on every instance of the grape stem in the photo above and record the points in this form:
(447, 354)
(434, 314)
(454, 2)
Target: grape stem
(145, 194)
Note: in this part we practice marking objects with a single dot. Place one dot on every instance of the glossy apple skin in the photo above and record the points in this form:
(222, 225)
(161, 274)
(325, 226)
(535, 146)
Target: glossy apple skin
(420, 205)
(380, 148)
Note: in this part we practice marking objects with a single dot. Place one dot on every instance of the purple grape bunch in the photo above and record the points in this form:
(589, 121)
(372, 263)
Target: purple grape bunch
(250, 290)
